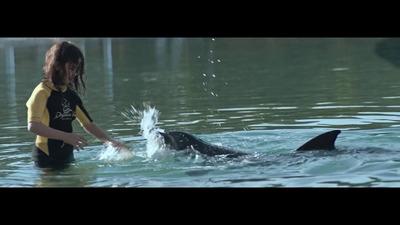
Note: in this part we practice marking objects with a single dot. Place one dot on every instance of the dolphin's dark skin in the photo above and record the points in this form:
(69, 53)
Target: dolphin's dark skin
(325, 141)
(179, 140)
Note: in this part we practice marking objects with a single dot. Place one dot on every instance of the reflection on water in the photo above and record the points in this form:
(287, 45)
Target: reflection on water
(10, 61)
(262, 90)
(389, 49)
(71, 176)
(10, 72)
(108, 64)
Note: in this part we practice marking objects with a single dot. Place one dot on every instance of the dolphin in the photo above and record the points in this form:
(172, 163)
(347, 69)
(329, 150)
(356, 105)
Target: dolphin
(179, 140)
(325, 141)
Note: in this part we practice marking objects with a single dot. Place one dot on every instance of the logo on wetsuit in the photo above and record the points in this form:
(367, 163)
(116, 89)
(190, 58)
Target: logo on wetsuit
(67, 114)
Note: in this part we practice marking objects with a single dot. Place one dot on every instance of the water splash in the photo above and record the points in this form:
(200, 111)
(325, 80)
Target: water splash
(148, 118)
(110, 153)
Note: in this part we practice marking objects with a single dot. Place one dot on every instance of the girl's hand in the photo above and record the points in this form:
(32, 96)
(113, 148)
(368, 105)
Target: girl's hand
(120, 145)
(75, 140)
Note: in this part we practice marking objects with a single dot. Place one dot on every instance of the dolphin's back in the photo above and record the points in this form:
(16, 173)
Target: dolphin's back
(325, 141)
(180, 140)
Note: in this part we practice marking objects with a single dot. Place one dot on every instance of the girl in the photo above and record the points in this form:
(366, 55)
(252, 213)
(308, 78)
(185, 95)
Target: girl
(54, 104)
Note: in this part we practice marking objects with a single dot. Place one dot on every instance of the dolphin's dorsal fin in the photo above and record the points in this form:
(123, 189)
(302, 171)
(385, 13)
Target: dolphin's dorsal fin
(325, 141)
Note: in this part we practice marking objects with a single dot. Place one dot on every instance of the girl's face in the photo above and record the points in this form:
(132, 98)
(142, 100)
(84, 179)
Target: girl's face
(71, 71)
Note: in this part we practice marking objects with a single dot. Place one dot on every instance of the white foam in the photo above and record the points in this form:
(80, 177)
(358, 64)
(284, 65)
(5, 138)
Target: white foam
(110, 153)
(148, 118)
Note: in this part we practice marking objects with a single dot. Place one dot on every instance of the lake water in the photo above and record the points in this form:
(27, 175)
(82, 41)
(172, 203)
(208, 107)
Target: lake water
(264, 96)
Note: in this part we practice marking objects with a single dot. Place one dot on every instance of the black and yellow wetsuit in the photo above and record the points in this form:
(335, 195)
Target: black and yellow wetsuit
(56, 109)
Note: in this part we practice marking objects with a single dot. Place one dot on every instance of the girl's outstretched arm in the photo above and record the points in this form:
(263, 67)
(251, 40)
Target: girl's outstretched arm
(96, 131)
(73, 139)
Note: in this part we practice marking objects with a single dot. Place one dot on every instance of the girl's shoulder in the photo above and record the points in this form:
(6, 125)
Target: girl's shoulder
(42, 87)
(40, 94)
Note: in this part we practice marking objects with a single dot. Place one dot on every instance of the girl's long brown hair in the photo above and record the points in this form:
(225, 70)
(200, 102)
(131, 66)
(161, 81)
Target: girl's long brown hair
(54, 68)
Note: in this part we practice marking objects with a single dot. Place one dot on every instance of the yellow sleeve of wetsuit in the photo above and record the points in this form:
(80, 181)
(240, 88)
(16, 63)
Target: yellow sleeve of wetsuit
(82, 118)
(36, 105)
